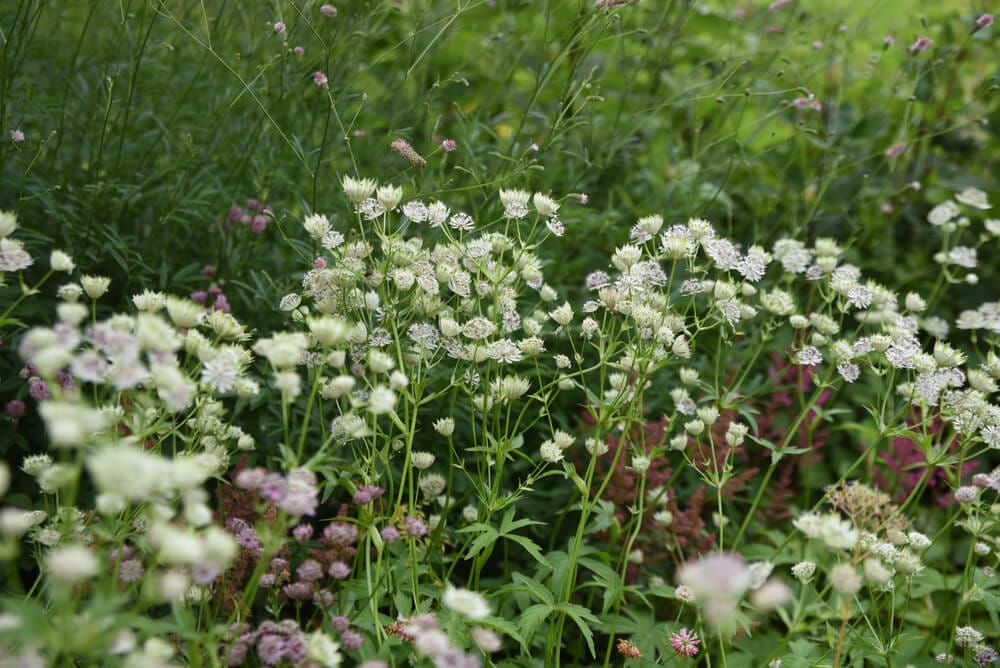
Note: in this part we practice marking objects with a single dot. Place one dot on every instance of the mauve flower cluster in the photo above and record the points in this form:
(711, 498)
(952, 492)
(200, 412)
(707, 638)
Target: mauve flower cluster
(296, 493)
(255, 216)
(273, 643)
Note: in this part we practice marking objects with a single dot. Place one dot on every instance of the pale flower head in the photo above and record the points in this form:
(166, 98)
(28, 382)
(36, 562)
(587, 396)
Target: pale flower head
(358, 190)
(8, 223)
(975, 198)
(467, 603)
(71, 564)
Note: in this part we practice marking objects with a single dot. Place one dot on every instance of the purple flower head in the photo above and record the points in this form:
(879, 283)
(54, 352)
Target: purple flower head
(328, 10)
(38, 389)
(921, 45)
(296, 647)
(280, 27)
(323, 598)
(298, 591)
(237, 655)
(302, 532)
(415, 527)
(252, 203)
(351, 640)
(65, 379)
(234, 215)
(321, 80)
(984, 21)
(448, 145)
(340, 623)
(274, 488)
(15, 409)
(251, 478)
(270, 649)
(198, 296)
(259, 224)
(339, 570)
(249, 540)
(298, 51)
(367, 493)
(130, 570)
(390, 534)
(310, 570)
(222, 304)
(204, 574)
(279, 565)
(341, 534)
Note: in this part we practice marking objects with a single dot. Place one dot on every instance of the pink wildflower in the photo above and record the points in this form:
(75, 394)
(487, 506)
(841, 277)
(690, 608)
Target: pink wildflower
(448, 145)
(328, 10)
(319, 262)
(298, 50)
(895, 150)
(16, 136)
(921, 45)
(685, 642)
(279, 27)
(888, 41)
(984, 21)
(320, 80)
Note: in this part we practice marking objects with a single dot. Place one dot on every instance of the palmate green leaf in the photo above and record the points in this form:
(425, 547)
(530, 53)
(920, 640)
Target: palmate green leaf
(584, 620)
(537, 590)
(531, 618)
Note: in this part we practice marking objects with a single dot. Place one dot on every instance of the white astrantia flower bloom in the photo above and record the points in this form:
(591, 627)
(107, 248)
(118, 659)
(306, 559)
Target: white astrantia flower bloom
(358, 190)
(975, 198)
(71, 563)
(8, 223)
(545, 205)
(942, 213)
(515, 203)
(469, 604)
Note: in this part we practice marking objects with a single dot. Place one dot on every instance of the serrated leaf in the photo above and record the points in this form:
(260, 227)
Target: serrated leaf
(583, 619)
(531, 618)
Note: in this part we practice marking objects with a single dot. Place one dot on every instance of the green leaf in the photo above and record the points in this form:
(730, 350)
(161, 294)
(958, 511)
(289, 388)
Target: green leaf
(532, 618)
(584, 620)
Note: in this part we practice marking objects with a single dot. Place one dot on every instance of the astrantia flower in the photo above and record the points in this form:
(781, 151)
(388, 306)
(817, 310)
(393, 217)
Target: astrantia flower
(71, 564)
(515, 203)
(358, 190)
(465, 602)
(942, 213)
(13, 257)
(545, 205)
(975, 198)
(685, 642)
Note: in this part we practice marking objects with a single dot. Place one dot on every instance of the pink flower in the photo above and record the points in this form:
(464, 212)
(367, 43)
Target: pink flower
(887, 208)
(16, 136)
(921, 45)
(778, 4)
(984, 21)
(895, 150)
(299, 50)
(328, 10)
(320, 80)
(448, 145)
(685, 642)
(816, 105)
(319, 262)
(279, 27)
(888, 41)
